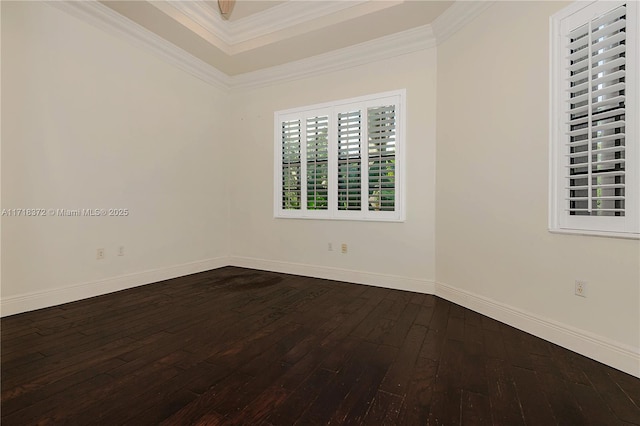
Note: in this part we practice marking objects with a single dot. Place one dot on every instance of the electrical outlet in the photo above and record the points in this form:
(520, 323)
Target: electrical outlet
(343, 248)
(121, 251)
(581, 288)
(330, 247)
(100, 254)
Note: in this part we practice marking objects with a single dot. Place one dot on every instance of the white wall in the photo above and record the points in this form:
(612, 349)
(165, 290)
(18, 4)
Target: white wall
(492, 187)
(89, 121)
(393, 254)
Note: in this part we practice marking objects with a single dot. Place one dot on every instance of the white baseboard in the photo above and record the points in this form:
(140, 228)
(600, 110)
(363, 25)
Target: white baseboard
(337, 274)
(44, 299)
(614, 354)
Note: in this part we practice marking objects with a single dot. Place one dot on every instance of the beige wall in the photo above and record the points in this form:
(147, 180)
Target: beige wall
(492, 184)
(400, 249)
(90, 121)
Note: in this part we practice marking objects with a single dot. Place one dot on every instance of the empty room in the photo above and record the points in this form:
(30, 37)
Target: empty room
(300, 212)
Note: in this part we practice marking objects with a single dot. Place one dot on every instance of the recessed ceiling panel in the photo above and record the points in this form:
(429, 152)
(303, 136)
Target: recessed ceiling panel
(262, 34)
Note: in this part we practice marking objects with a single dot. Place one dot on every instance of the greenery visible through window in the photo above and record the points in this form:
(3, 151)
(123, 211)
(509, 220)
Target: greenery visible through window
(291, 164)
(341, 160)
(349, 160)
(382, 157)
(317, 163)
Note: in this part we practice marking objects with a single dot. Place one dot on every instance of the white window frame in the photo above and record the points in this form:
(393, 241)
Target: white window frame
(560, 220)
(331, 109)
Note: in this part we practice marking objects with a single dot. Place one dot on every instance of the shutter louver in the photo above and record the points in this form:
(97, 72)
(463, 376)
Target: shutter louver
(317, 163)
(341, 160)
(291, 166)
(381, 122)
(595, 143)
(349, 160)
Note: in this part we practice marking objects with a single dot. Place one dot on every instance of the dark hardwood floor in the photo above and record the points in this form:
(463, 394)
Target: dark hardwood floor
(238, 346)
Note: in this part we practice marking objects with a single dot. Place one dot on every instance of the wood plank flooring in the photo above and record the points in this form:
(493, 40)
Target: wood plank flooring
(243, 347)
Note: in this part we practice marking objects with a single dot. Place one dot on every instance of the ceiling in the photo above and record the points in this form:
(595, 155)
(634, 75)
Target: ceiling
(267, 33)
(244, 8)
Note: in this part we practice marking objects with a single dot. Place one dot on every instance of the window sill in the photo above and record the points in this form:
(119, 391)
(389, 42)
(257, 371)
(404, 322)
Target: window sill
(351, 219)
(620, 235)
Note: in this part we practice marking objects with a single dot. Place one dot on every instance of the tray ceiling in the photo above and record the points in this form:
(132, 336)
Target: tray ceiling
(263, 34)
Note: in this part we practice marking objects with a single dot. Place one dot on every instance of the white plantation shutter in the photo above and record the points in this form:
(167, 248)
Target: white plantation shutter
(291, 166)
(595, 144)
(349, 160)
(317, 130)
(596, 109)
(381, 122)
(341, 160)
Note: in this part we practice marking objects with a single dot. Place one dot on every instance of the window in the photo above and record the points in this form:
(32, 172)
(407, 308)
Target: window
(341, 160)
(595, 150)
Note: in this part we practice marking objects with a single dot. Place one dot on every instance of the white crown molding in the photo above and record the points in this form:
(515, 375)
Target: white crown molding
(209, 25)
(101, 16)
(226, 35)
(285, 15)
(390, 46)
(456, 17)
(416, 39)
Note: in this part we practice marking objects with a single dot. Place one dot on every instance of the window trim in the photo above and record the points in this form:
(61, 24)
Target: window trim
(397, 98)
(619, 227)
